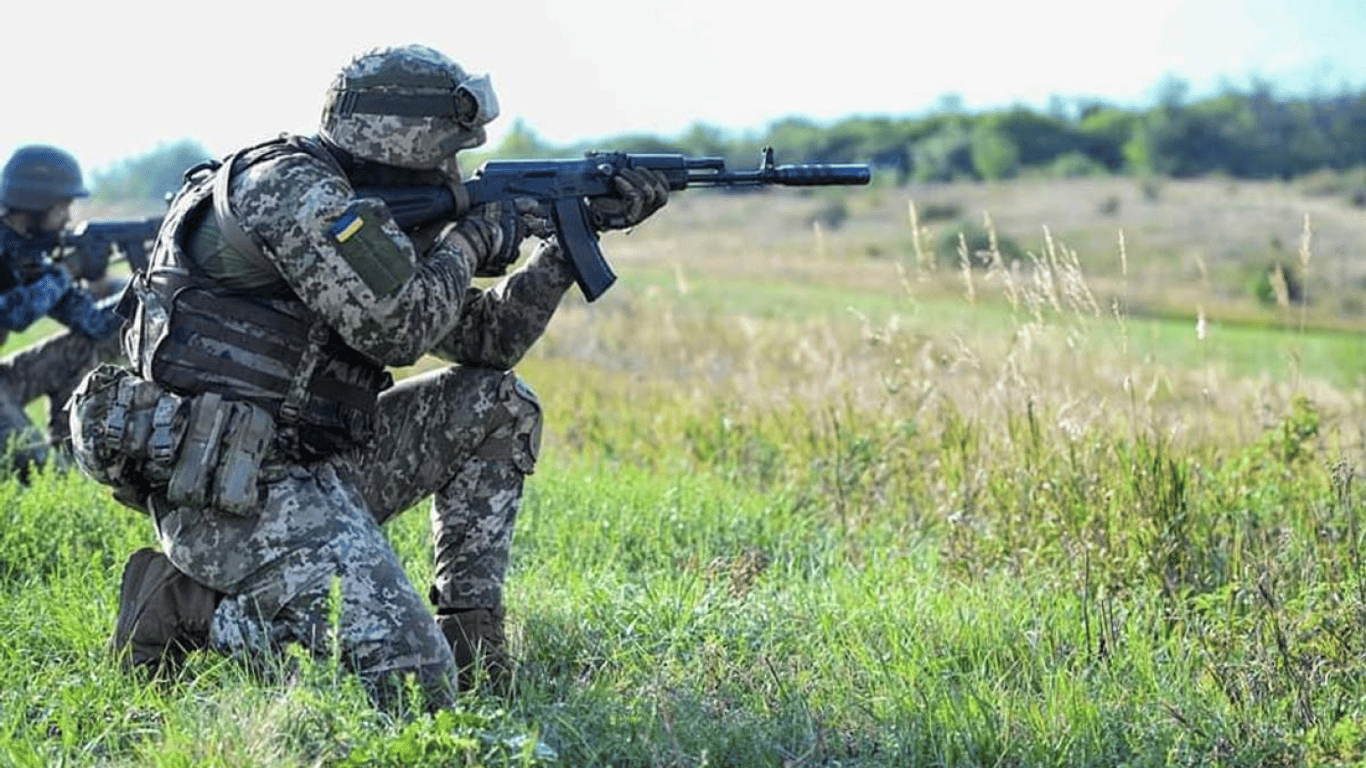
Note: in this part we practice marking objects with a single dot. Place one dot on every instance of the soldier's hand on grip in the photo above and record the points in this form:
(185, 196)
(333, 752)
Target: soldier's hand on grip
(491, 234)
(639, 193)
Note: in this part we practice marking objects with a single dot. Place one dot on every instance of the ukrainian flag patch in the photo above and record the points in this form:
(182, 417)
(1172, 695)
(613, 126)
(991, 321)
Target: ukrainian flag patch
(366, 240)
(348, 225)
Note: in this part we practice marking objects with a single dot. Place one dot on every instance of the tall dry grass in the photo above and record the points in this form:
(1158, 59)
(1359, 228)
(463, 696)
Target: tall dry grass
(818, 499)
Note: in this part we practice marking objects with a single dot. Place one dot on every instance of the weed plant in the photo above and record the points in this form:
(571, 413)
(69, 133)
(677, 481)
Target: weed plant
(780, 524)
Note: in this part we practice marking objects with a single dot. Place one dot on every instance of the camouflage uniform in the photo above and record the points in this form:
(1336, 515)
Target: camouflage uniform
(36, 179)
(465, 435)
(298, 313)
(51, 367)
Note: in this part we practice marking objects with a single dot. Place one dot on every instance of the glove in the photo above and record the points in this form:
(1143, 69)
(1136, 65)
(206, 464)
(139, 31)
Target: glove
(33, 270)
(492, 234)
(639, 193)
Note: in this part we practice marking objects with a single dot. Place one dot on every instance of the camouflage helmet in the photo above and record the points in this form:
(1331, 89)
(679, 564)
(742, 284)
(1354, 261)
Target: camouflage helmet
(38, 177)
(408, 106)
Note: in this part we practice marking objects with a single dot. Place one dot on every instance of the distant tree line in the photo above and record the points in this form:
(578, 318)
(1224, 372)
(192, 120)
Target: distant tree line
(1249, 133)
(151, 176)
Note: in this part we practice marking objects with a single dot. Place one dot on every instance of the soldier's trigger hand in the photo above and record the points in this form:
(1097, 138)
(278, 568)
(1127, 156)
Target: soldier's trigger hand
(490, 236)
(532, 216)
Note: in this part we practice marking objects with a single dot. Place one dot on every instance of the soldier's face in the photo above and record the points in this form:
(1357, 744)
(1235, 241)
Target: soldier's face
(56, 218)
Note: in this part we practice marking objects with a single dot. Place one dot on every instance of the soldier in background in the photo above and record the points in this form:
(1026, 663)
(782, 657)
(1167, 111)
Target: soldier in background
(37, 188)
(273, 304)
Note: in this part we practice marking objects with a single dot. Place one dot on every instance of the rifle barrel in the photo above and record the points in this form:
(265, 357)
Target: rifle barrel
(839, 174)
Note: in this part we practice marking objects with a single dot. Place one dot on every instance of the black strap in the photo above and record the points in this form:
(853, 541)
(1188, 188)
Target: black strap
(198, 370)
(293, 343)
(405, 105)
(210, 304)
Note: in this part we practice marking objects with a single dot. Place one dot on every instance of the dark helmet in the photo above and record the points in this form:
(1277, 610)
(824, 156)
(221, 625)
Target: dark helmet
(408, 106)
(38, 177)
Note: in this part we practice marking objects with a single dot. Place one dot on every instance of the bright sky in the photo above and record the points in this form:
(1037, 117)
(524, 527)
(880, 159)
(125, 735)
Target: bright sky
(108, 80)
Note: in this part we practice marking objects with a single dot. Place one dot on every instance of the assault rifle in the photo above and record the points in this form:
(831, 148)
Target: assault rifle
(93, 241)
(563, 186)
(89, 246)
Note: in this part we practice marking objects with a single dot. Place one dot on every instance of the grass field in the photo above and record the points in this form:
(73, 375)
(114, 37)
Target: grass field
(813, 497)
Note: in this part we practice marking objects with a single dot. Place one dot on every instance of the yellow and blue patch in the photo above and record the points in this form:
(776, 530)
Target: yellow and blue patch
(349, 224)
(372, 247)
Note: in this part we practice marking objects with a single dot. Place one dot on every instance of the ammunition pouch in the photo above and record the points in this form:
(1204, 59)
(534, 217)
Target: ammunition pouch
(204, 451)
(220, 455)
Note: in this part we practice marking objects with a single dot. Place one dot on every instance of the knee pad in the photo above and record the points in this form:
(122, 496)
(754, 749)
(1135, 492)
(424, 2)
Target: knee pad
(524, 429)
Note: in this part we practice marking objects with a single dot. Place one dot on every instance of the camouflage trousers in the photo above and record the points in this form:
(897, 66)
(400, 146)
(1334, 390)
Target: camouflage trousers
(52, 367)
(466, 437)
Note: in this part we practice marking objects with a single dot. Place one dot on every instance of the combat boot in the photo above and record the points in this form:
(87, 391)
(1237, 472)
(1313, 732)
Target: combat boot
(477, 640)
(163, 614)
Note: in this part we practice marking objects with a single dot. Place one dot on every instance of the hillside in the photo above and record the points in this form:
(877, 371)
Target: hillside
(1187, 242)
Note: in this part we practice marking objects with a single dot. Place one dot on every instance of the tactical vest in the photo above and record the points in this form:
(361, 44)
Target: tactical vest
(192, 332)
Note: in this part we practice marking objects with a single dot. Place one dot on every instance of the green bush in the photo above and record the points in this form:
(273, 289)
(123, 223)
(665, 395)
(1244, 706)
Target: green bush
(1077, 165)
(1264, 288)
(994, 155)
(946, 155)
(978, 241)
(932, 211)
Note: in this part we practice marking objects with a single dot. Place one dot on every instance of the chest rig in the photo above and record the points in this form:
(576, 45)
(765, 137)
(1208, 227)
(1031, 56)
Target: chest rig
(251, 339)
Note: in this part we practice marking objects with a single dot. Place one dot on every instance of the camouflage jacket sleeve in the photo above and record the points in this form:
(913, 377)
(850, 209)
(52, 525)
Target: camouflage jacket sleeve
(348, 261)
(23, 304)
(82, 314)
(500, 324)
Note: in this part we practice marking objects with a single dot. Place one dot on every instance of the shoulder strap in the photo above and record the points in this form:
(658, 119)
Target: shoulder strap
(315, 147)
(228, 224)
